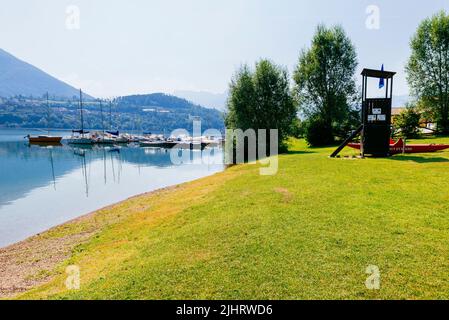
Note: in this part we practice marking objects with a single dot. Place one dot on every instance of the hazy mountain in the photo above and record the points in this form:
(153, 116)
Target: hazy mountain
(20, 78)
(218, 100)
(401, 101)
(207, 99)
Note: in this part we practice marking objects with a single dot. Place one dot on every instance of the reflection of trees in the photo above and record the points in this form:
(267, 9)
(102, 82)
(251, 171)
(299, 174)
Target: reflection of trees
(24, 167)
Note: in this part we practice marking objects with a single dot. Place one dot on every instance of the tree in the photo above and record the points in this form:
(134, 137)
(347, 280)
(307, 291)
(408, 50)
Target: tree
(261, 99)
(241, 101)
(325, 83)
(428, 67)
(408, 122)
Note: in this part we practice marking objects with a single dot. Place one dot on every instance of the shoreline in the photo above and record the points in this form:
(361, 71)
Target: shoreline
(86, 215)
(31, 262)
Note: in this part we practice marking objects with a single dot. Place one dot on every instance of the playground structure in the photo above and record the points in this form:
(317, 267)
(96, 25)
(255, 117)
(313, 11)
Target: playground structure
(375, 130)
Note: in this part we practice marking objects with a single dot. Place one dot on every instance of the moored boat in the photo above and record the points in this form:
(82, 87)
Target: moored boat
(45, 139)
(174, 144)
(42, 139)
(80, 139)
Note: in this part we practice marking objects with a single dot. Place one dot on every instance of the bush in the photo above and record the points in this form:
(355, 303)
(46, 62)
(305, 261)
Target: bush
(318, 132)
(408, 122)
(297, 128)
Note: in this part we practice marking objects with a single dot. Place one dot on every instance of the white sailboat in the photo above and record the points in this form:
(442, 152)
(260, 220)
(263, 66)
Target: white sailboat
(79, 136)
(103, 137)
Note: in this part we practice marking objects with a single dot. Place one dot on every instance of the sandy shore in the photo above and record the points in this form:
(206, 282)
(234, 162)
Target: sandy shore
(32, 262)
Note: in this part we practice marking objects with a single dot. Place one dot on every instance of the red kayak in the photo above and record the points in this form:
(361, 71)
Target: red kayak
(401, 147)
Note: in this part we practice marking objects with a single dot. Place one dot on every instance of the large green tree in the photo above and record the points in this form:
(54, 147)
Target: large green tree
(261, 99)
(428, 67)
(325, 83)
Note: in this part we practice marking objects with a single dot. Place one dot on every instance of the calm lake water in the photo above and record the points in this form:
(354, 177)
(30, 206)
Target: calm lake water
(41, 187)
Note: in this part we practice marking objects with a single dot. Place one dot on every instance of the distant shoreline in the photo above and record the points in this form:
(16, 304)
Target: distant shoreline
(68, 129)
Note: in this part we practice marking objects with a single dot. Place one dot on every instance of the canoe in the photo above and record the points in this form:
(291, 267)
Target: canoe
(401, 147)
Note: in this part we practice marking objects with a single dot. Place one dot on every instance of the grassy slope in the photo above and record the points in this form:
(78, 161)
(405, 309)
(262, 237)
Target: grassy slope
(308, 232)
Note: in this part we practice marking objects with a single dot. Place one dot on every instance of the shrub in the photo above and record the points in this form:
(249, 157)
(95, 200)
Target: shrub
(297, 128)
(408, 122)
(318, 132)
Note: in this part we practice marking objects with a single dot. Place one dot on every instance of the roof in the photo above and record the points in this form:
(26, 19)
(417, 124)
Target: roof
(378, 73)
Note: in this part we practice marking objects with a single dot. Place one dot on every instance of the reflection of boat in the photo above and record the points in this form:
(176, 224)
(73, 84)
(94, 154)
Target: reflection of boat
(191, 145)
(79, 152)
(117, 150)
(45, 139)
(157, 144)
(401, 147)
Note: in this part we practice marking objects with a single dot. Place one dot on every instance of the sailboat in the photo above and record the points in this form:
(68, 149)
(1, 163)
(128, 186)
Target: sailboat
(45, 139)
(115, 134)
(80, 138)
(104, 138)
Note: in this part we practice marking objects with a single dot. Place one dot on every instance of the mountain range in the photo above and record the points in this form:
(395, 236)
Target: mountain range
(204, 98)
(22, 104)
(23, 86)
(156, 112)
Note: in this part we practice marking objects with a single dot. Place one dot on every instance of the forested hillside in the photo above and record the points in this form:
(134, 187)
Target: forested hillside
(153, 112)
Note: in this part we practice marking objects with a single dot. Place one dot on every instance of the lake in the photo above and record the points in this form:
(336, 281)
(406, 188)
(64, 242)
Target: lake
(42, 187)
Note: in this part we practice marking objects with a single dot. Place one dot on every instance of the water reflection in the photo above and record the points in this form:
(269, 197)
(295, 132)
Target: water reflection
(42, 186)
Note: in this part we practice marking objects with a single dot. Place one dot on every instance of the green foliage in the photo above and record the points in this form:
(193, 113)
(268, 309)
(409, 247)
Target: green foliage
(261, 99)
(408, 122)
(297, 128)
(318, 132)
(325, 83)
(241, 101)
(428, 67)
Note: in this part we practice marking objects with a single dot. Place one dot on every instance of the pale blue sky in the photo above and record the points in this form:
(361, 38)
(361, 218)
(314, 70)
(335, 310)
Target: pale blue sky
(142, 46)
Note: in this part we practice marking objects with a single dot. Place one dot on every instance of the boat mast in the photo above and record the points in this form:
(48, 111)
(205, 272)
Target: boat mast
(102, 117)
(48, 115)
(110, 115)
(81, 112)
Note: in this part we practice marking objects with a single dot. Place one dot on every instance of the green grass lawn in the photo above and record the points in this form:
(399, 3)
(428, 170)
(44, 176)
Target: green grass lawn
(308, 232)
